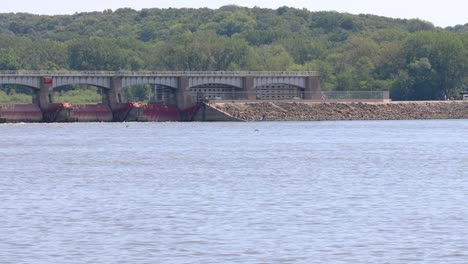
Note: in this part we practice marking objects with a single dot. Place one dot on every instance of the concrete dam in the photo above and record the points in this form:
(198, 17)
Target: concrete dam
(180, 95)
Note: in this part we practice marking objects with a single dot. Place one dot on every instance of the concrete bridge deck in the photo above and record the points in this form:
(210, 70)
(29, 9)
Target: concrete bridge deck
(161, 73)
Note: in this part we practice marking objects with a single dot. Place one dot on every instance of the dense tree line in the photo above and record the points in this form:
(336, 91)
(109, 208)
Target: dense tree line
(411, 58)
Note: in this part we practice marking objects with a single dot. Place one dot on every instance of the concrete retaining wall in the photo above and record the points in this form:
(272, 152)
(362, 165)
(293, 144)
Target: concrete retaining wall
(209, 112)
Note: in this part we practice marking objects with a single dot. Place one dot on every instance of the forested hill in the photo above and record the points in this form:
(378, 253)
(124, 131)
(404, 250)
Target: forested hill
(412, 58)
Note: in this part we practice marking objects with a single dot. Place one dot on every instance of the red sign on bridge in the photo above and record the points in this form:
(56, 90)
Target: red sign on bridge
(47, 80)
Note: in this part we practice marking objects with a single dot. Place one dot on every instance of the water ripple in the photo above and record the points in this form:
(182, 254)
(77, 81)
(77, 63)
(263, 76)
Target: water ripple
(317, 192)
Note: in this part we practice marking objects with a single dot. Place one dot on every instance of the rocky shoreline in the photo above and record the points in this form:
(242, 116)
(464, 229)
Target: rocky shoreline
(313, 111)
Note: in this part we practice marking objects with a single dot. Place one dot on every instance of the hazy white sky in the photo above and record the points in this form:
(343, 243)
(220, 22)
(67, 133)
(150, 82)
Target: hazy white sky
(441, 13)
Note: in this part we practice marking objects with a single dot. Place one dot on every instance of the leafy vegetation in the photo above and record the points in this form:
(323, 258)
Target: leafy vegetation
(78, 94)
(14, 98)
(411, 58)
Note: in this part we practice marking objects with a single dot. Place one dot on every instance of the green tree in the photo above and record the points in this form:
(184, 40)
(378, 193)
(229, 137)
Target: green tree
(235, 22)
(202, 51)
(9, 60)
(100, 54)
(436, 64)
(272, 57)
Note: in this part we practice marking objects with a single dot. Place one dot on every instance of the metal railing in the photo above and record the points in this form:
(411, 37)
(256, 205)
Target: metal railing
(278, 95)
(162, 73)
(354, 95)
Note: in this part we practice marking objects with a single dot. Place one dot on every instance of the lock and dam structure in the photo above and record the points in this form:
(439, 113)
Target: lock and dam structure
(178, 96)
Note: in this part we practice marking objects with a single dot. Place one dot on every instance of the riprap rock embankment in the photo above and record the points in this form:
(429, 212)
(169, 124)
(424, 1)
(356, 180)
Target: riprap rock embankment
(313, 111)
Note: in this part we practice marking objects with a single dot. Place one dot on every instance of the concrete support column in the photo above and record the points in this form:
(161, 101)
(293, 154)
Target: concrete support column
(45, 95)
(248, 87)
(35, 97)
(183, 97)
(157, 93)
(312, 87)
(115, 96)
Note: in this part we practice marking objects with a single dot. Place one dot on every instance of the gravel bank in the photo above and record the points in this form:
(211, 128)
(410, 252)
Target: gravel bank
(307, 111)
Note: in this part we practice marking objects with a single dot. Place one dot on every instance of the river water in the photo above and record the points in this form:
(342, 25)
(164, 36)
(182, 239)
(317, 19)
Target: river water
(292, 192)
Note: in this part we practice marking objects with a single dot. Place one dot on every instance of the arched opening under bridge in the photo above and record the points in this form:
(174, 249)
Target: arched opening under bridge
(157, 102)
(155, 94)
(19, 103)
(79, 94)
(17, 94)
(79, 102)
(279, 91)
(216, 91)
